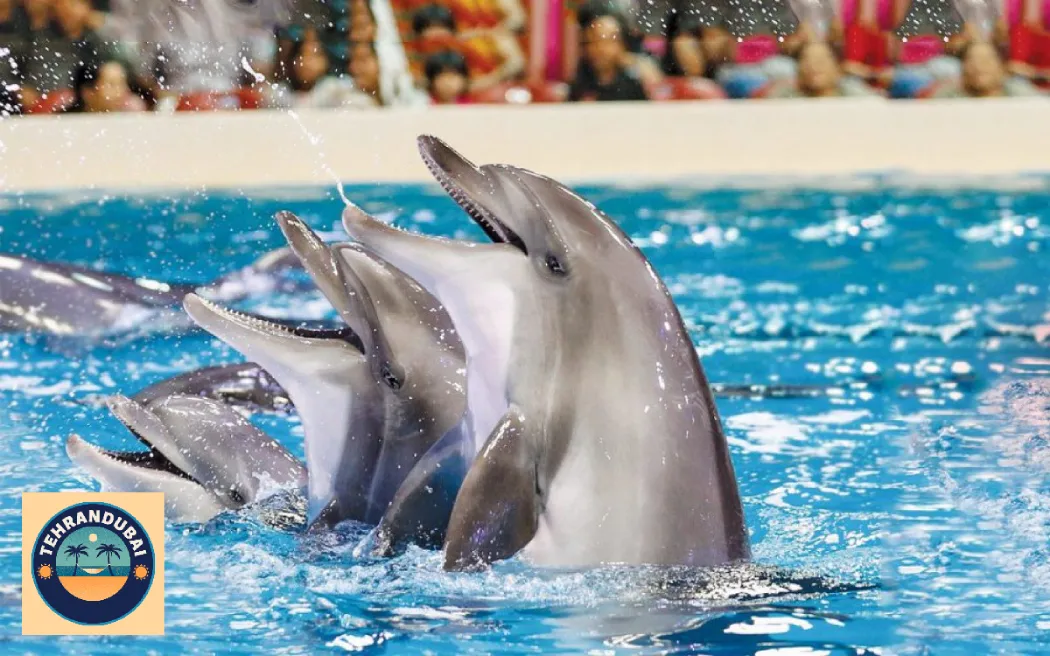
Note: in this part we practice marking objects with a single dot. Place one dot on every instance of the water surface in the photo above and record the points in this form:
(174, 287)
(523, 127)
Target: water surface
(917, 315)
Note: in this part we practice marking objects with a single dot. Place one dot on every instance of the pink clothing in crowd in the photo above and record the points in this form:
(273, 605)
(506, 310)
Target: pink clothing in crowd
(1016, 13)
(851, 11)
(554, 39)
(920, 49)
(755, 49)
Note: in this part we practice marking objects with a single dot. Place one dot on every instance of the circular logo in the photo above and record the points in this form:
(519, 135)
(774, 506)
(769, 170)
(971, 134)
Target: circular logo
(93, 563)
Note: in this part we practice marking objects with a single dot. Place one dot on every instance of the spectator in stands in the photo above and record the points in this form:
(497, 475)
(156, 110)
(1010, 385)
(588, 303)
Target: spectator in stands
(433, 22)
(493, 56)
(102, 86)
(862, 28)
(1026, 26)
(642, 65)
(363, 28)
(684, 54)
(820, 76)
(311, 86)
(761, 56)
(603, 73)
(984, 76)
(918, 51)
(446, 74)
(364, 71)
(57, 47)
(309, 65)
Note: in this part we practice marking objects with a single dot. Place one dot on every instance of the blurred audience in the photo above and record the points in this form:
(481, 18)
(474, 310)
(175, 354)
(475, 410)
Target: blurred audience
(635, 58)
(447, 78)
(309, 84)
(604, 72)
(1025, 27)
(984, 75)
(61, 36)
(684, 54)
(102, 86)
(238, 54)
(761, 56)
(365, 73)
(820, 75)
(864, 26)
(492, 54)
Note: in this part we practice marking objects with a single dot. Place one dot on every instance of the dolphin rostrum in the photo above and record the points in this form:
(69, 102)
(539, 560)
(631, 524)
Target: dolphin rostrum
(373, 408)
(602, 439)
(205, 457)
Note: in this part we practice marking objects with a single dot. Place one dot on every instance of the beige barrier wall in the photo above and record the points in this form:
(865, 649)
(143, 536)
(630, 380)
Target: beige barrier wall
(630, 141)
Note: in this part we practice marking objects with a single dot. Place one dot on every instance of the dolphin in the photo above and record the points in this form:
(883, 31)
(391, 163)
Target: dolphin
(244, 384)
(606, 444)
(67, 300)
(417, 361)
(202, 455)
(375, 413)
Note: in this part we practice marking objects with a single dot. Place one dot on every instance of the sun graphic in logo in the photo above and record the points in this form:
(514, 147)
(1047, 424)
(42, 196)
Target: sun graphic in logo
(141, 572)
(44, 571)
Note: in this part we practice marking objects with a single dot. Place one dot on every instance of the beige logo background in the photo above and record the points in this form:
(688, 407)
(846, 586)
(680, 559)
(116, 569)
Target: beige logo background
(38, 508)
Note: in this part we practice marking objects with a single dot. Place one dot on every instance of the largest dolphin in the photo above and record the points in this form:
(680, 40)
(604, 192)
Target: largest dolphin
(602, 439)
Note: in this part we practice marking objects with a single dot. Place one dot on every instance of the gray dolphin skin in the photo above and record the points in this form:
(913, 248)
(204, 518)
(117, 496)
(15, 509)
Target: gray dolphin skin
(384, 408)
(416, 360)
(66, 300)
(72, 301)
(323, 374)
(202, 455)
(602, 442)
(244, 384)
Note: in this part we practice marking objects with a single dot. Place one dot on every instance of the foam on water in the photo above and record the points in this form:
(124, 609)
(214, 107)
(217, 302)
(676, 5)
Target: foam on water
(919, 316)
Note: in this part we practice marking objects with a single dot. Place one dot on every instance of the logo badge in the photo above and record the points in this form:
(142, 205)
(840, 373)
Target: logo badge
(96, 563)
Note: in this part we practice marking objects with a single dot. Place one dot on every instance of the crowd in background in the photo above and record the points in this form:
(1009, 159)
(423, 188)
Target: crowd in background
(194, 55)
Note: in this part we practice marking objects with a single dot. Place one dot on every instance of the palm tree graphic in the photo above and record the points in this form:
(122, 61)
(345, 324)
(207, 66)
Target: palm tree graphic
(76, 550)
(110, 550)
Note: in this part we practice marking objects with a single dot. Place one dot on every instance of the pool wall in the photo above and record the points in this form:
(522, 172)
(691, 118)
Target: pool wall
(609, 142)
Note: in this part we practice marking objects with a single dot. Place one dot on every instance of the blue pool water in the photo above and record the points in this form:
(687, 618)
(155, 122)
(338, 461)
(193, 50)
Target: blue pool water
(922, 466)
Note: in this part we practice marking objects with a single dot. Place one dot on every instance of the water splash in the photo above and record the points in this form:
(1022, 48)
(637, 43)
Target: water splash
(315, 141)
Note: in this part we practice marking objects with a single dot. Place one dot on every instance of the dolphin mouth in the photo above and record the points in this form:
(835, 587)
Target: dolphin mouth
(269, 327)
(320, 371)
(79, 449)
(465, 183)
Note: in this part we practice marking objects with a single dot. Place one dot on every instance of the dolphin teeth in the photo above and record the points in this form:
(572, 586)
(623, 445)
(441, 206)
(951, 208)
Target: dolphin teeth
(457, 195)
(252, 321)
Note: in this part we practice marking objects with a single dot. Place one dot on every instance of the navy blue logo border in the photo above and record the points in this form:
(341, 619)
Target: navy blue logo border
(130, 595)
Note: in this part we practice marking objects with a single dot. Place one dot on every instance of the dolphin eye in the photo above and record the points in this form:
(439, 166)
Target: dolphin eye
(236, 496)
(554, 265)
(392, 381)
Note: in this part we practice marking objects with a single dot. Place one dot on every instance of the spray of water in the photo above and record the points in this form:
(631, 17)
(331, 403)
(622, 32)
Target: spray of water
(315, 141)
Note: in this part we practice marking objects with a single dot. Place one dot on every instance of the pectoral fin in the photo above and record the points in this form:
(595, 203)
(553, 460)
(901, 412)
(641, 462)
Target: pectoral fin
(497, 510)
(420, 511)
